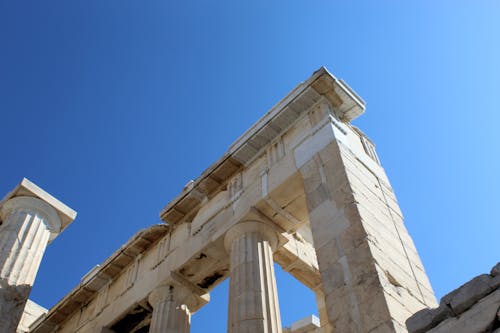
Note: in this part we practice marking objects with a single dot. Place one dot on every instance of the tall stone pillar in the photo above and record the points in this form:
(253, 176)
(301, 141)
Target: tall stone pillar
(171, 313)
(253, 297)
(28, 222)
(372, 276)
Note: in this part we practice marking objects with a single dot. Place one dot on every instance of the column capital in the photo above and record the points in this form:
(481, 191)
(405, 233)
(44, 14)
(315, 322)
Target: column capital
(171, 309)
(34, 206)
(27, 189)
(267, 231)
(160, 294)
(178, 294)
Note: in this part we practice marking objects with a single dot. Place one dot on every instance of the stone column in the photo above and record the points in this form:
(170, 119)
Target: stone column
(171, 313)
(27, 224)
(253, 297)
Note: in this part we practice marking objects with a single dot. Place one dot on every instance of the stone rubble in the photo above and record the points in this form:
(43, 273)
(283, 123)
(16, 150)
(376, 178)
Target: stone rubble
(472, 308)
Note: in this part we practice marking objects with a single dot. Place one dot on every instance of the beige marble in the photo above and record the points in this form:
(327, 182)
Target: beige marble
(302, 188)
(30, 219)
(365, 286)
(310, 324)
(170, 311)
(32, 311)
(253, 297)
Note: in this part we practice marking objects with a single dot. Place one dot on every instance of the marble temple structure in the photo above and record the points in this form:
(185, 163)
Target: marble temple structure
(302, 188)
(30, 219)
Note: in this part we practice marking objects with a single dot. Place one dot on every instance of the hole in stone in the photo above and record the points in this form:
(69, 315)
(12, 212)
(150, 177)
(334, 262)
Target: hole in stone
(201, 256)
(392, 279)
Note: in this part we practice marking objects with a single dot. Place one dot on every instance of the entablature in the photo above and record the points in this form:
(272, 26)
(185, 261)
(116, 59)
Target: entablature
(346, 105)
(100, 276)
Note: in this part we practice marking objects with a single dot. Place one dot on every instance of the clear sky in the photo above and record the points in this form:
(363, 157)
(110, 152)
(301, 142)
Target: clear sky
(113, 106)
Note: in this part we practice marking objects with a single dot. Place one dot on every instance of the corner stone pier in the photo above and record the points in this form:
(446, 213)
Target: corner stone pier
(30, 218)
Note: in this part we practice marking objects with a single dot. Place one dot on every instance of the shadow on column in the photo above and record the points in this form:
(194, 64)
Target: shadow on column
(14, 299)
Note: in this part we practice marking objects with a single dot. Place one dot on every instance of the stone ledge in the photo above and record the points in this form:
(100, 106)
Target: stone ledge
(457, 302)
(480, 318)
(464, 297)
(309, 324)
(26, 188)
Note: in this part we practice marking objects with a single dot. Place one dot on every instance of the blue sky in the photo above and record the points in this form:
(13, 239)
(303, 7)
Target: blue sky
(112, 106)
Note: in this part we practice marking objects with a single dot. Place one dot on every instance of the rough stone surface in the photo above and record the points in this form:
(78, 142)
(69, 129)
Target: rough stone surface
(478, 319)
(472, 308)
(462, 298)
(12, 302)
(343, 211)
(30, 219)
(495, 270)
(426, 319)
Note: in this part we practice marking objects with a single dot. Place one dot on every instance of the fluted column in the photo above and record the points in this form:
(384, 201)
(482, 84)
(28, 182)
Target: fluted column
(27, 224)
(171, 313)
(253, 297)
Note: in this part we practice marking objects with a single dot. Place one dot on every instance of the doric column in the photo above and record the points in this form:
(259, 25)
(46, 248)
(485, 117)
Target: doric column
(27, 224)
(30, 218)
(253, 297)
(171, 313)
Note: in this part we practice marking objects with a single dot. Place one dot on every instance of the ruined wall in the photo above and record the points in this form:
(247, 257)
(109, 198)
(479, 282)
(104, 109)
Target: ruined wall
(472, 308)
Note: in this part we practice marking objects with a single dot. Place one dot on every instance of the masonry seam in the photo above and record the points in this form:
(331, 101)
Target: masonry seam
(400, 238)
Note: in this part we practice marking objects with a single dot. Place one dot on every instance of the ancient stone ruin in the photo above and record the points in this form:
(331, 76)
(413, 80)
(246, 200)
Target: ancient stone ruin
(472, 308)
(302, 188)
(30, 218)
